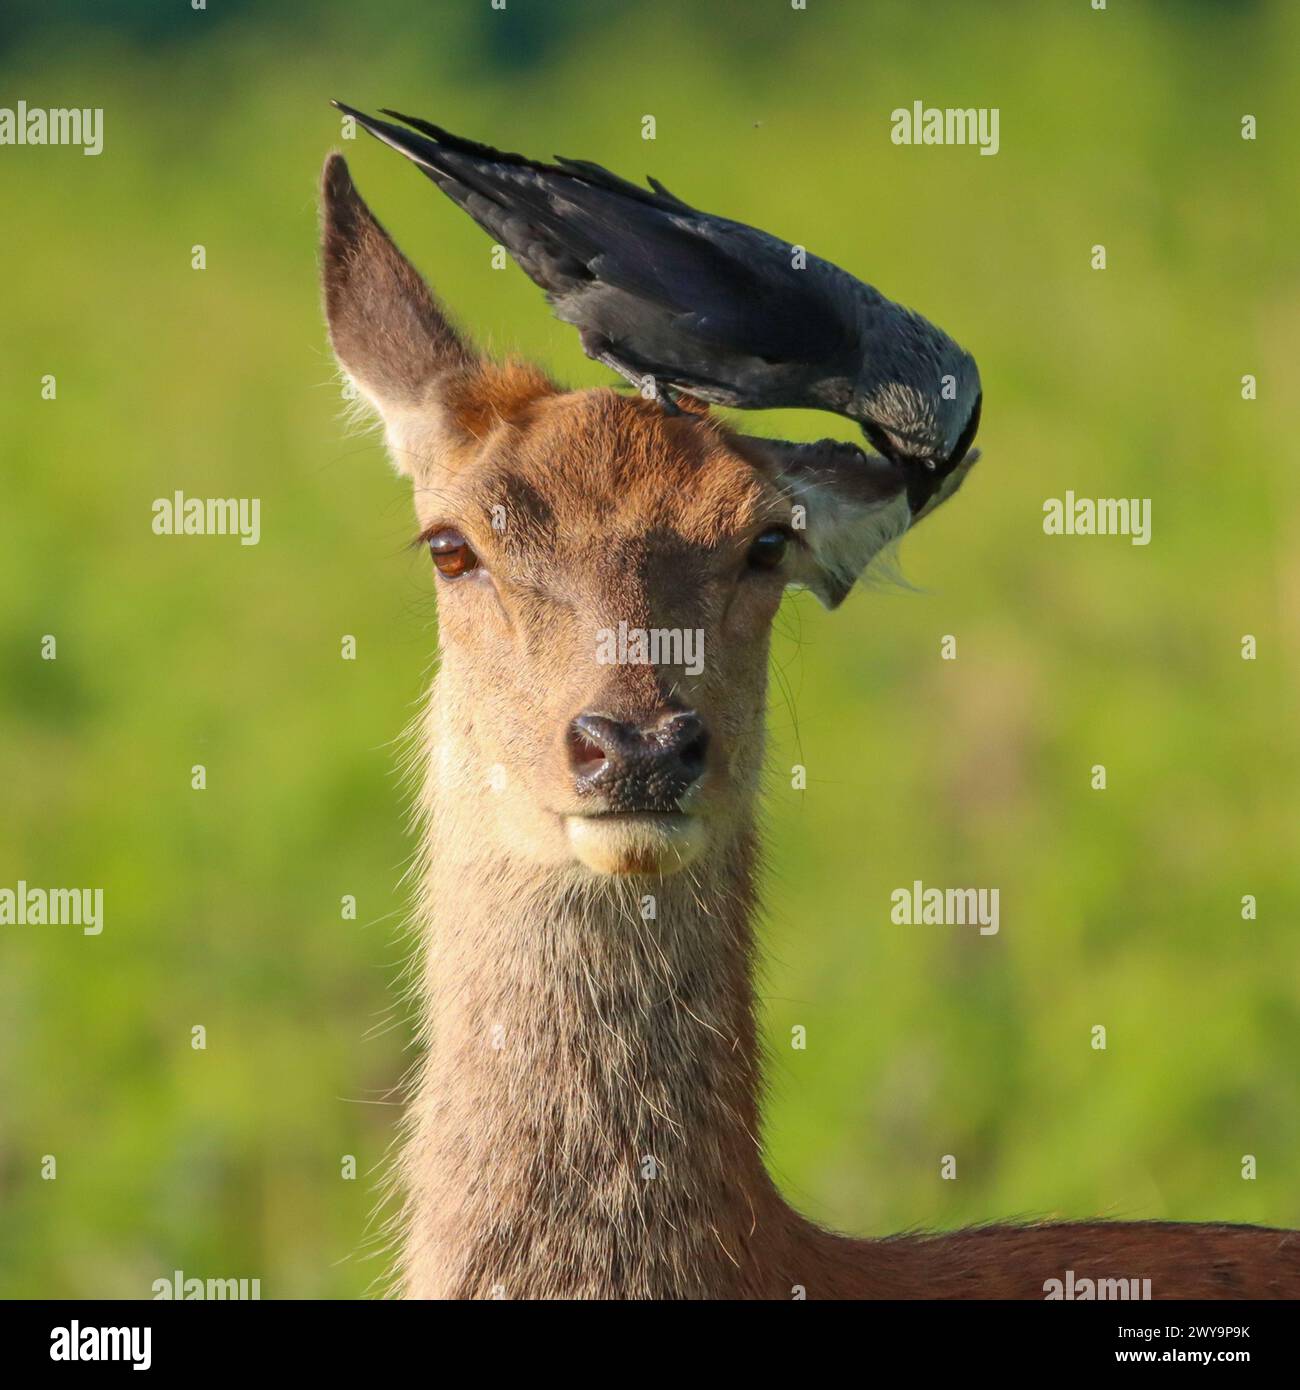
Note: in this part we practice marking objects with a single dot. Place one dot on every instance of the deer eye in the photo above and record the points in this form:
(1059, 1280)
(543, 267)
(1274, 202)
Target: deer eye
(768, 548)
(451, 553)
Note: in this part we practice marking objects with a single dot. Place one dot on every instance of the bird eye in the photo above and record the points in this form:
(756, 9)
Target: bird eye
(768, 549)
(451, 553)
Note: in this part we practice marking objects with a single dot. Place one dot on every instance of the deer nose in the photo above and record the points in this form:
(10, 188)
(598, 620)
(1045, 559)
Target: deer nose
(638, 767)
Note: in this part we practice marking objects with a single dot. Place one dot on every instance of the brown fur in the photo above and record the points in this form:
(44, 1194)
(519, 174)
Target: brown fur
(585, 1123)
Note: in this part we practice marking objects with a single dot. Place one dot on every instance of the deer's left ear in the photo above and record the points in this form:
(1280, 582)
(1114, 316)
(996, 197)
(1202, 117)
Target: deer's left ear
(846, 506)
(433, 391)
(389, 333)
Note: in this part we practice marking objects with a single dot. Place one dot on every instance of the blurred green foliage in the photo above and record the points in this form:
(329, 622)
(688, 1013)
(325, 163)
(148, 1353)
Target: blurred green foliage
(222, 907)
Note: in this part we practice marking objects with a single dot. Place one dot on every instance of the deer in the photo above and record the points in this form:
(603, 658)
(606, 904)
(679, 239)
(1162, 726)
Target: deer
(586, 1121)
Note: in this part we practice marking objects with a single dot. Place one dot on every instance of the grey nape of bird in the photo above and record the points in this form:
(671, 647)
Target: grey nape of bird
(709, 306)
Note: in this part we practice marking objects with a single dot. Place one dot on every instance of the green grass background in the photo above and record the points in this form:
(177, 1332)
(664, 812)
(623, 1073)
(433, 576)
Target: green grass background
(1119, 908)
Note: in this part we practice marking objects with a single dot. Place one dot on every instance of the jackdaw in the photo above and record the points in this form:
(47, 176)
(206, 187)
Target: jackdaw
(685, 301)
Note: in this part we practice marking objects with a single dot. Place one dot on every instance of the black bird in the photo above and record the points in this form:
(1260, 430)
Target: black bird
(659, 290)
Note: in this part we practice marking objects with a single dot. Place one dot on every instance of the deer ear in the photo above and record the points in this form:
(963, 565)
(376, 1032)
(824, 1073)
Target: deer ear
(388, 332)
(847, 506)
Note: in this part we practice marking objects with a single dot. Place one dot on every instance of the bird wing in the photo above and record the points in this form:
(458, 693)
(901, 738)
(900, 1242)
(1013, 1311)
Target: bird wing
(654, 286)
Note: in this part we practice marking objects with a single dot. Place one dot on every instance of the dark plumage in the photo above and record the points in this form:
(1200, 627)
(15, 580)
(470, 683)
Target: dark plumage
(705, 305)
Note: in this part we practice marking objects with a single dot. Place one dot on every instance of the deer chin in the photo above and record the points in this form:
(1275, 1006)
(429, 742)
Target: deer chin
(644, 843)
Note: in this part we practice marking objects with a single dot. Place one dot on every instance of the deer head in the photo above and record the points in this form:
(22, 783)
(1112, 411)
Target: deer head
(607, 574)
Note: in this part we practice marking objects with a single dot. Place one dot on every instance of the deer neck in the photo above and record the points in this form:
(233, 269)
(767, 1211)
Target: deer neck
(586, 1120)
